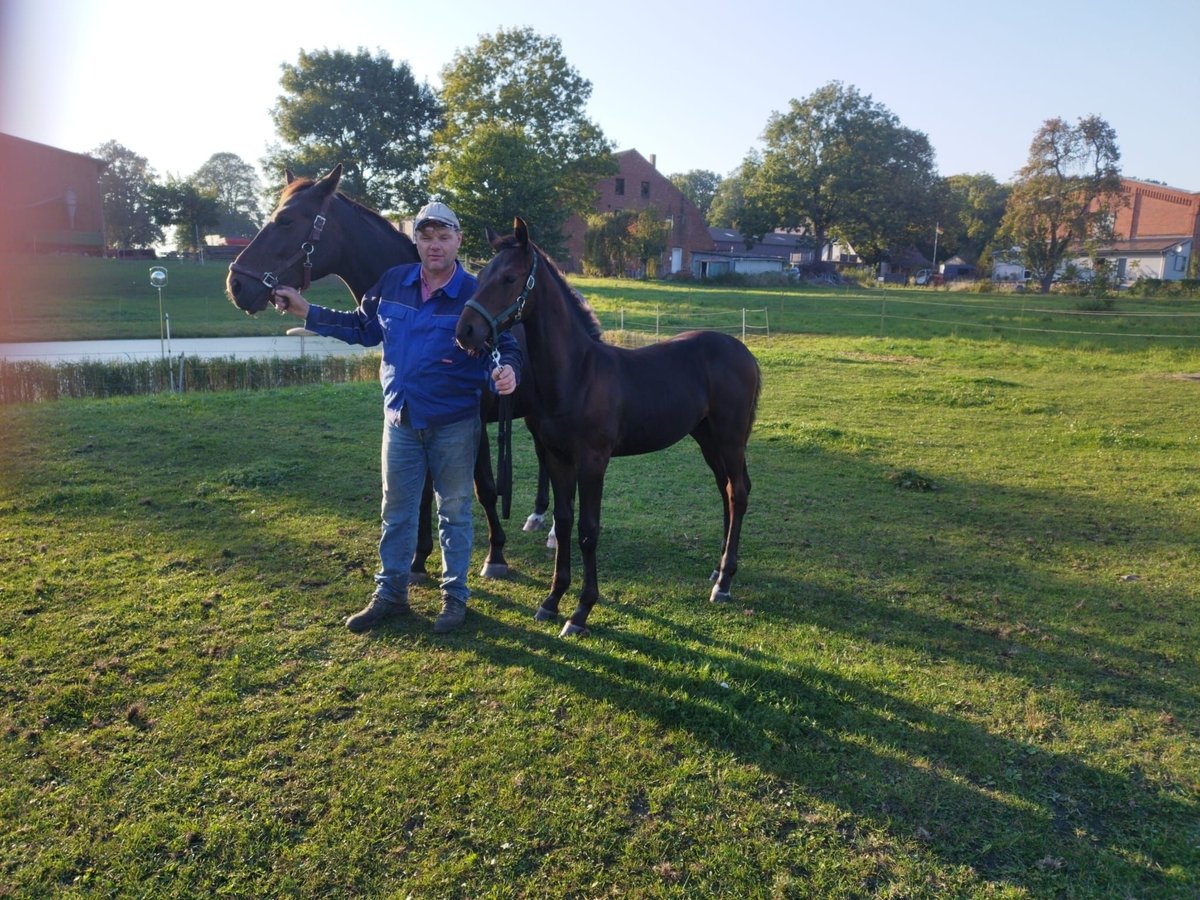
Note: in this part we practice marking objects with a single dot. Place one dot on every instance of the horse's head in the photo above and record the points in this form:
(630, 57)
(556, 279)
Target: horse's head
(502, 297)
(283, 251)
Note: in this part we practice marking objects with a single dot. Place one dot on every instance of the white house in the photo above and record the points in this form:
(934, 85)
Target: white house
(1164, 257)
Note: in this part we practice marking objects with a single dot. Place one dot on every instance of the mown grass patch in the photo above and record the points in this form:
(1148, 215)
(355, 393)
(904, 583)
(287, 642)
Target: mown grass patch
(984, 690)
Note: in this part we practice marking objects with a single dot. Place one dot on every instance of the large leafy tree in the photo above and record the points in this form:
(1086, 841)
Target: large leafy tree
(130, 202)
(970, 208)
(1066, 196)
(842, 166)
(736, 202)
(193, 209)
(514, 96)
(365, 112)
(237, 189)
(699, 186)
(615, 240)
(498, 174)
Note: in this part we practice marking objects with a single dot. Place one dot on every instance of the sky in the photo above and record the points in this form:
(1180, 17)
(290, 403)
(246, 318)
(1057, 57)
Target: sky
(694, 83)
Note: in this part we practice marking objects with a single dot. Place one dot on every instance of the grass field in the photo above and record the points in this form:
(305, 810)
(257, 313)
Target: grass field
(71, 298)
(962, 658)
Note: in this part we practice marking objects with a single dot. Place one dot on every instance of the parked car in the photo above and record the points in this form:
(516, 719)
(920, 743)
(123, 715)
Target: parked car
(927, 276)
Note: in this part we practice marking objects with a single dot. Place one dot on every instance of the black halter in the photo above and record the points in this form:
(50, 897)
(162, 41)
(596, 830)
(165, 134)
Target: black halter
(270, 279)
(507, 317)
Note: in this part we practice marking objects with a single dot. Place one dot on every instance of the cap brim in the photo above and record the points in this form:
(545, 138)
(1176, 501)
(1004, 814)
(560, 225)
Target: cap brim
(433, 221)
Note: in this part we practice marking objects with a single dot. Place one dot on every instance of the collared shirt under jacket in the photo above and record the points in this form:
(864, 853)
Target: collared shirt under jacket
(423, 368)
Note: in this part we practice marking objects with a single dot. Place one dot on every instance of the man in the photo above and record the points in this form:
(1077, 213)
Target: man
(431, 392)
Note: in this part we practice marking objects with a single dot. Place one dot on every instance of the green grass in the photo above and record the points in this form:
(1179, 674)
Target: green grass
(961, 661)
(71, 298)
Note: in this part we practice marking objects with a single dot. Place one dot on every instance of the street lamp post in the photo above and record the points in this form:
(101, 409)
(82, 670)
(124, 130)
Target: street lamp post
(158, 279)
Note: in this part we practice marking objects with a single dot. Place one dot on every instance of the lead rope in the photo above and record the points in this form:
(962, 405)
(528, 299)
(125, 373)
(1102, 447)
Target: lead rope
(504, 477)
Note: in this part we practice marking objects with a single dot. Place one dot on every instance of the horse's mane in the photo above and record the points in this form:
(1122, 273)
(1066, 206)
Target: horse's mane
(377, 219)
(581, 308)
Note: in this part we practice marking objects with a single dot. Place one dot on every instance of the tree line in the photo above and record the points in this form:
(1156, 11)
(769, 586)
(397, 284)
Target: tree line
(507, 135)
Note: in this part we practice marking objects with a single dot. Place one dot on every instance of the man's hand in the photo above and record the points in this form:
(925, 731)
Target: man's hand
(505, 378)
(288, 300)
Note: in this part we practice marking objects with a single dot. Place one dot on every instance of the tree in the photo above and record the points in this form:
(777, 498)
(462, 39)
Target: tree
(736, 203)
(970, 210)
(649, 234)
(497, 174)
(615, 239)
(237, 189)
(605, 244)
(1066, 196)
(127, 185)
(842, 166)
(699, 186)
(193, 209)
(363, 111)
(517, 82)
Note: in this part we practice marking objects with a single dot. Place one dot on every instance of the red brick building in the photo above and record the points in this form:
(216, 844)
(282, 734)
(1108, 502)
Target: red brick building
(51, 200)
(1156, 210)
(639, 185)
(1158, 231)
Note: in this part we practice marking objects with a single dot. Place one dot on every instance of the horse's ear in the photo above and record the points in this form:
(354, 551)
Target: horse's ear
(335, 174)
(288, 176)
(490, 233)
(521, 230)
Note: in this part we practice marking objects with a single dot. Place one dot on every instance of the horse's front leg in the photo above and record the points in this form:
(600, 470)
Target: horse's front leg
(495, 566)
(591, 491)
(562, 477)
(416, 571)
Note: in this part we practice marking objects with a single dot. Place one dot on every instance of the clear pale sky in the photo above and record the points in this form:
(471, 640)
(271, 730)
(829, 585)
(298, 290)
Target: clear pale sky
(693, 83)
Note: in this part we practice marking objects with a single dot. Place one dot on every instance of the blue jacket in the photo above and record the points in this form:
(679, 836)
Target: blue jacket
(422, 366)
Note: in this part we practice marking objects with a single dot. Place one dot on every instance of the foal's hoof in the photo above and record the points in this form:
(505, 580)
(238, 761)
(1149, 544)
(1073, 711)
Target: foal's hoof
(719, 596)
(552, 539)
(570, 629)
(494, 570)
(418, 576)
(545, 615)
(534, 523)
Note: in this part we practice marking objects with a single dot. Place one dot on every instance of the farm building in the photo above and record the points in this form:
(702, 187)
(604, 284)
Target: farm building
(1157, 229)
(636, 186)
(52, 200)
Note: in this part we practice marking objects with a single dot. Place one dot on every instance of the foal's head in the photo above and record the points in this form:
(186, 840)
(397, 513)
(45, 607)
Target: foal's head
(504, 292)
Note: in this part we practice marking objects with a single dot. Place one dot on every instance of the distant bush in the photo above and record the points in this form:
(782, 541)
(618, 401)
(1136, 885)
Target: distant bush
(1157, 287)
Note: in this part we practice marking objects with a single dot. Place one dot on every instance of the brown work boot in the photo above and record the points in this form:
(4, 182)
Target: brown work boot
(454, 612)
(375, 612)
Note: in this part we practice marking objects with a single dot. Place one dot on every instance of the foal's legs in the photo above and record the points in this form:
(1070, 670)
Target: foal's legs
(591, 490)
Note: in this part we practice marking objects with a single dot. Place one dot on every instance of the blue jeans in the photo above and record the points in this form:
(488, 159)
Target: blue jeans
(448, 452)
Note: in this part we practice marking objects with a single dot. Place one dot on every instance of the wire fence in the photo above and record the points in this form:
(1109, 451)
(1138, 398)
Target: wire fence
(897, 313)
(636, 329)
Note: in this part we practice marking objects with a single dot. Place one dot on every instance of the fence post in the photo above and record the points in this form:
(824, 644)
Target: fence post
(743, 324)
(656, 309)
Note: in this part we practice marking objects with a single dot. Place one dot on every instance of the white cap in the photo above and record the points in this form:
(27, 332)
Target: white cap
(438, 214)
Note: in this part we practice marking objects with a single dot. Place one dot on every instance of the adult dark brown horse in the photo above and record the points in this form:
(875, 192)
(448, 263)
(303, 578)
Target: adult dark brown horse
(316, 231)
(595, 401)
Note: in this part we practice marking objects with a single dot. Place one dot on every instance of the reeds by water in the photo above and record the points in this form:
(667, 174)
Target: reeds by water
(35, 382)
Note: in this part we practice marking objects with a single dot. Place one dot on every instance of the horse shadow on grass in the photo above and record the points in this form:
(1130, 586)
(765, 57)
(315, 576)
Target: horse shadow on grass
(1001, 805)
(973, 798)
